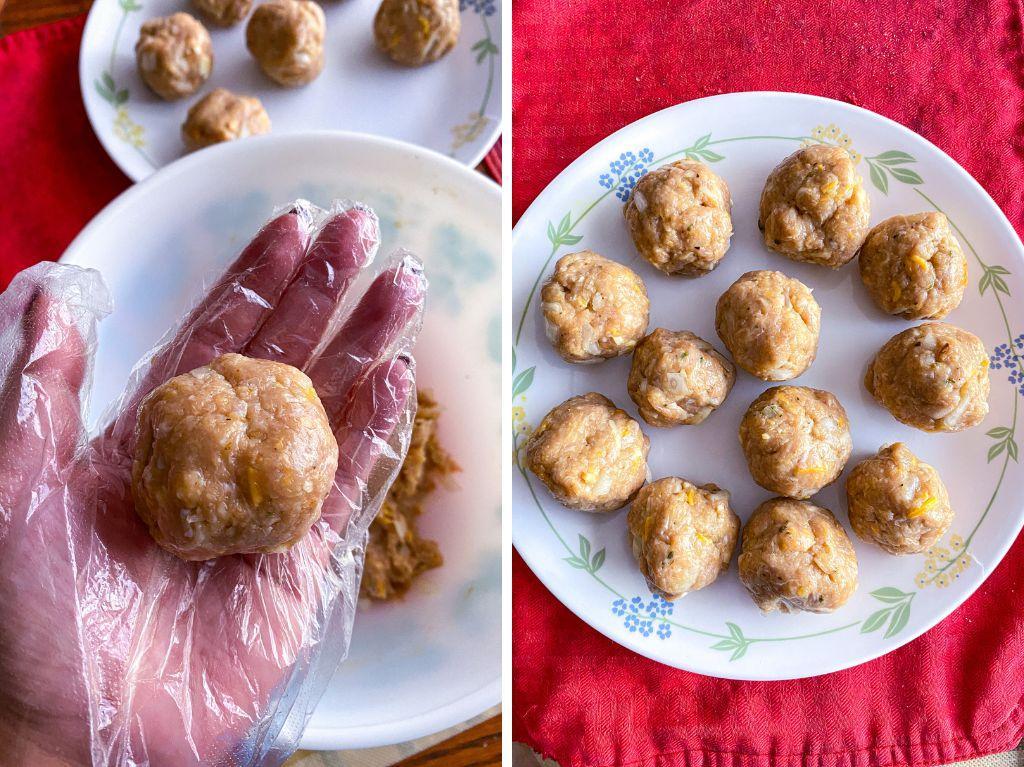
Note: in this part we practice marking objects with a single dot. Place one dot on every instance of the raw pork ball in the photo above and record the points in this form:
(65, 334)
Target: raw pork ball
(770, 324)
(593, 308)
(174, 55)
(678, 216)
(590, 455)
(235, 457)
(796, 556)
(814, 207)
(223, 116)
(678, 378)
(682, 536)
(417, 32)
(914, 267)
(933, 377)
(897, 501)
(796, 440)
(286, 37)
(224, 13)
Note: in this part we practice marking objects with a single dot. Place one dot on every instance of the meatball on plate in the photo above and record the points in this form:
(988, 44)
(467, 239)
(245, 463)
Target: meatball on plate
(419, 71)
(869, 449)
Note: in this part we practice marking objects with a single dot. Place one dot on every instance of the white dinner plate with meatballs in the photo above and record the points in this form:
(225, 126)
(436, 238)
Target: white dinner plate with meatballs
(157, 85)
(767, 378)
(430, 659)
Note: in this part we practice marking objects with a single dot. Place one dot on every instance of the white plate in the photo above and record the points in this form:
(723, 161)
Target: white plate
(452, 106)
(432, 660)
(718, 631)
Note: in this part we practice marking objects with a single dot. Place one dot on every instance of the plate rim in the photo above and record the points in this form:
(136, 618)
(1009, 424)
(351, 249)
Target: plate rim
(106, 141)
(486, 696)
(534, 210)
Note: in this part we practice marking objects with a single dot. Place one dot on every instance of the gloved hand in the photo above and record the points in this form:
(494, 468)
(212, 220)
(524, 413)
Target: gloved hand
(114, 652)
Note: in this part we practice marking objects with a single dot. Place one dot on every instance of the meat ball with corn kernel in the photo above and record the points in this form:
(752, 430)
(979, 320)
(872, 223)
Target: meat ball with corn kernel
(590, 455)
(898, 502)
(914, 267)
(770, 324)
(682, 536)
(224, 13)
(814, 207)
(286, 37)
(174, 55)
(678, 378)
(223, 116)
(933, 377)
(593, 308)
(796, 556)
(235, 457)
(679, 218)
(417, 32)
(796, 440)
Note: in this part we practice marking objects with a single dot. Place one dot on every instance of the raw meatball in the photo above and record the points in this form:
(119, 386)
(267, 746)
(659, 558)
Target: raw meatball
(898, 502)
(679, 218)
(814, 207)
(591, 455)
(913, 266)
(769, 323)
(235, 457)
(678, 378)
(417, 32)
(593, 308)
(682, 535)
(174, 55)
(933, 377)
(224, 13)
(796, 440)
(286, 37)
(796, 556)
(223, 116)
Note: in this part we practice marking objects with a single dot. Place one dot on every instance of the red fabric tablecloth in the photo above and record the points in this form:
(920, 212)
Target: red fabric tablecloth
(952, 70)
(54, 174)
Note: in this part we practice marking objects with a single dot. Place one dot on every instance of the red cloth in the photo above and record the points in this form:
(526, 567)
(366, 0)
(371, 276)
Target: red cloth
(950, 70)
(53, 170)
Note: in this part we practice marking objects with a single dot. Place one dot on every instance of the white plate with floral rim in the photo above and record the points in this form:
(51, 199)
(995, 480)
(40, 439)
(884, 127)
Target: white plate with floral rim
(452, 106)
(585, 560)
(432, 659)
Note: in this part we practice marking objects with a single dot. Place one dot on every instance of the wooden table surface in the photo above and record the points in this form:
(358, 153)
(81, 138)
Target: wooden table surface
(479, 746)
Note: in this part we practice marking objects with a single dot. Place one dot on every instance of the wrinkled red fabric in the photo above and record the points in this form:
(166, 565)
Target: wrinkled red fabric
(54, 173)
(952, 70)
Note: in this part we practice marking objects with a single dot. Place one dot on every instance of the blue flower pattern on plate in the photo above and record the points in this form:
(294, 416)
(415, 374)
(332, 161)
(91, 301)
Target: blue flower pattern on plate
(626, 171)
(1005, 357)
(482, 7)
(645, 617)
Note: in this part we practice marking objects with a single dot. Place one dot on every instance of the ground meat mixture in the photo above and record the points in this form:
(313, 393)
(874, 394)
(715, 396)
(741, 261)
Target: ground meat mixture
(224, 13)
(814, 207)
(914, 267)
(678, 378)
(679, 218)
(235, 457)
(396, 553)
(589, 454)
(796, 556)
(770, 324)
(593, 308)
(682, 536)
(898, 502)
(174, 55)
(933, 377)
(796, 440)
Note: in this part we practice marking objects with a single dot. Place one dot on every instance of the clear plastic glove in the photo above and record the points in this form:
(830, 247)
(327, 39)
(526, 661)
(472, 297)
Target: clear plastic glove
(114, 652)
